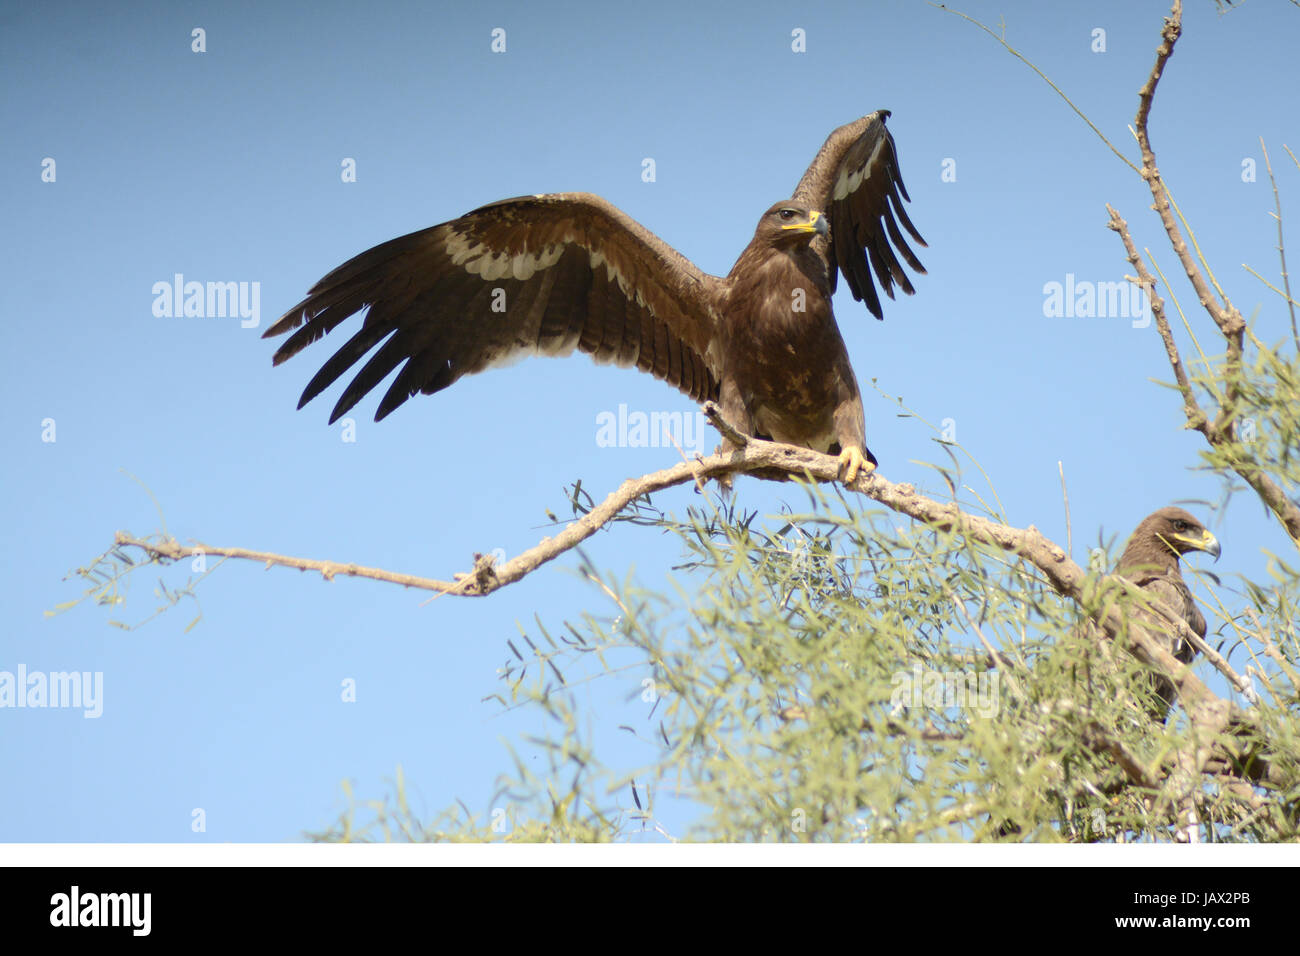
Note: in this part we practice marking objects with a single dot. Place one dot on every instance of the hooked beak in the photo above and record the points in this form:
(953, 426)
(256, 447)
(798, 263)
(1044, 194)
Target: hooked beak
(1203, 542)
(816, 223)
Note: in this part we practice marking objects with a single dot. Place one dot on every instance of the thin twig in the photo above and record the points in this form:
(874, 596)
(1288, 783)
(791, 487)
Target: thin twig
(1281, 246)
(1065, 498)
(1046, 79)
(1195, 417)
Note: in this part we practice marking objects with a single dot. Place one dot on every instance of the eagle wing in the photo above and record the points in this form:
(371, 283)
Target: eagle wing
(533, 275)
(1173, 592)
(855, 180)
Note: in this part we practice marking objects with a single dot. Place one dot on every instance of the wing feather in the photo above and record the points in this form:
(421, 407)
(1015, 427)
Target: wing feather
(856, 181)
(570, 271)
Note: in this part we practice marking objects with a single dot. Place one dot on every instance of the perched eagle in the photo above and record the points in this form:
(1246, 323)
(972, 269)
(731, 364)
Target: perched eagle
(1150, 560)
(548, 274)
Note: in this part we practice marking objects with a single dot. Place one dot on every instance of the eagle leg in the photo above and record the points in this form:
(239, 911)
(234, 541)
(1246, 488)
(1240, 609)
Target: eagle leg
(734, 412)
(852, 461)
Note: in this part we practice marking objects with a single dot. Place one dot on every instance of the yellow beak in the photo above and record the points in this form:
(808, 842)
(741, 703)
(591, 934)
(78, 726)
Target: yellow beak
(1202, 542)
(816, 223)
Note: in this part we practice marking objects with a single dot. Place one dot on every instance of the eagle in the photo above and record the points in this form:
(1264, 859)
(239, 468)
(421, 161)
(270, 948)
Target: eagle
(548, 274)
(1150, 561)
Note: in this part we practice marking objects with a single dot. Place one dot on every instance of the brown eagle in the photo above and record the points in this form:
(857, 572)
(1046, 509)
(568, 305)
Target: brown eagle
(1150, 560)
(548, 274)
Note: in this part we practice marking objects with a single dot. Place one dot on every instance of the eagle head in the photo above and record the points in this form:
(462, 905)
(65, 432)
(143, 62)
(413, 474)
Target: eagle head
(791, 220)
(1180, 532)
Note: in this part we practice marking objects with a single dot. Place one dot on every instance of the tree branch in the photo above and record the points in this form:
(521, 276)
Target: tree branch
(1146, 281)
(768, 459)
(1219, 433)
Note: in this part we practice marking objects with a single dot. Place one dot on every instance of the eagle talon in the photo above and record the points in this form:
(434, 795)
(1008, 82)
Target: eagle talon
(852, 461)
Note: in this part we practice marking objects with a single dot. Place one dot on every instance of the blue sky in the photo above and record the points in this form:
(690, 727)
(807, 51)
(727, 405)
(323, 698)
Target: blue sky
(225, 166)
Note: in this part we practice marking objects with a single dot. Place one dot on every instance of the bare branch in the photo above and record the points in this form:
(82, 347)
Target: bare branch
(769, 458)
(1195, 417)
(728, 431)
(1225, 316)
(166, 549)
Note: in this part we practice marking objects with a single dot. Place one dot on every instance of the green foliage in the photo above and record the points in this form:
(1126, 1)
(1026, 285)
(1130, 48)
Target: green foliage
(1261, 397)
(847, 674)
(843, 674)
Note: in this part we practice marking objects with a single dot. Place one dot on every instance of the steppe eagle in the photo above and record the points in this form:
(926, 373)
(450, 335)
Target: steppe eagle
(548, 274)
(1150, 560)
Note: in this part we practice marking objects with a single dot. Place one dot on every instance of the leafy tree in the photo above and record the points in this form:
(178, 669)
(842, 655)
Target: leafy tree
(845, 676)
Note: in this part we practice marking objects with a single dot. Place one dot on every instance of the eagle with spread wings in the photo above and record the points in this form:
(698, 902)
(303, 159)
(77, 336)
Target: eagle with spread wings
(552, 273)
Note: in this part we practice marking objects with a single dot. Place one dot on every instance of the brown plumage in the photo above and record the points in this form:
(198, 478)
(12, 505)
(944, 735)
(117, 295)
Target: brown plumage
(550, 274)
(1150, 560)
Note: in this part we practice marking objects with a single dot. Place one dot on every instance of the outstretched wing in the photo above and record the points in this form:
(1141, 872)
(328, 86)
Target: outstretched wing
(534, 275)
(855, 180)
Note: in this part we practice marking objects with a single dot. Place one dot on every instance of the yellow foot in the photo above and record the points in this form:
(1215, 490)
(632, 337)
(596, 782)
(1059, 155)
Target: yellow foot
(852, 461)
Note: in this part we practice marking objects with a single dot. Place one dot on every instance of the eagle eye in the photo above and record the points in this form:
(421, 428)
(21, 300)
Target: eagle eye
(1180, 525)
(787, 214)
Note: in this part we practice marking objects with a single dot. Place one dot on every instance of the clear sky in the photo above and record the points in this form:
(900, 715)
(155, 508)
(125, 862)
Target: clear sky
(225, 166)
